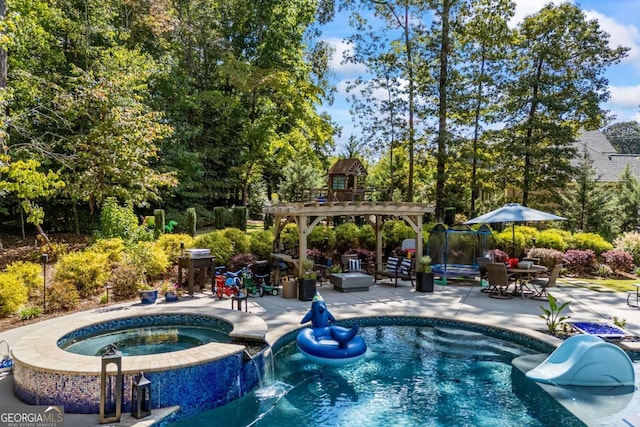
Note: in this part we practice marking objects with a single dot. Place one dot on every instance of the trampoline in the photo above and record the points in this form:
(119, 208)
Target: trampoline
(455, 251)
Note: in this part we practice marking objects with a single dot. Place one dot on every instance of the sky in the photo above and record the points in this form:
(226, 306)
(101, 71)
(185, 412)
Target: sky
(619, 18)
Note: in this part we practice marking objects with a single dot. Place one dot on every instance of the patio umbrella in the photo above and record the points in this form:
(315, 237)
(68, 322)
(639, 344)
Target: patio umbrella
(514, 212)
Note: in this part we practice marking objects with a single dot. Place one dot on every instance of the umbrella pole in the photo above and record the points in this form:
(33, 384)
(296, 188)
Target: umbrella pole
(513, 239)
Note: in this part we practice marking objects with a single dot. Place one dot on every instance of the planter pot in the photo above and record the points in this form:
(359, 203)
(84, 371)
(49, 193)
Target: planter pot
(306, 289)
(424, 282)
(170, 297)
(148, 297)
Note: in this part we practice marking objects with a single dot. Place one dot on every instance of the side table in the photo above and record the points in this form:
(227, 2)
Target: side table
(237, 300)
(204, 263)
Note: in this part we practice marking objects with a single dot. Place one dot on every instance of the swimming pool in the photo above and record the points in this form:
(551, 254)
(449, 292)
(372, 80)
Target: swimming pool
(411, 375)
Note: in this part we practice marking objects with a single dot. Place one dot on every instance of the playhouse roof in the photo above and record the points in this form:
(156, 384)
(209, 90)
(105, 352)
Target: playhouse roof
(348, 167)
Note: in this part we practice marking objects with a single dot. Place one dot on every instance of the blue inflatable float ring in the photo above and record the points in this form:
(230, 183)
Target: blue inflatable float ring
(325, 343)
(319, 346)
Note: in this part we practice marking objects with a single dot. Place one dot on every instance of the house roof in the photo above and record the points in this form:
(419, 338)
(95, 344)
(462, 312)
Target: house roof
(607, 162)
(348, 167)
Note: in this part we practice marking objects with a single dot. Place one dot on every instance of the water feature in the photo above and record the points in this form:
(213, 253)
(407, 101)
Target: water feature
(411, 375)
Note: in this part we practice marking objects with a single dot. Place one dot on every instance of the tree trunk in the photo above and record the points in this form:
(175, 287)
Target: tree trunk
(442, 112)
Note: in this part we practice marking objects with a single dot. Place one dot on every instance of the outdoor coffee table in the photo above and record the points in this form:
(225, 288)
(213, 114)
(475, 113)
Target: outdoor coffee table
(350, 282)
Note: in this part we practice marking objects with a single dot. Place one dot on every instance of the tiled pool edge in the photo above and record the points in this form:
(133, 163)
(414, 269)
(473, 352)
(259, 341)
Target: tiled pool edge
(197, 379)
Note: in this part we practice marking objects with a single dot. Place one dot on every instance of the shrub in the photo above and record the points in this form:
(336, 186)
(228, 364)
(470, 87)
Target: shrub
(240, 261)
(595, 242)
(124, 281)
(118, 221)
(289, 235)
(394, 232)
(13, 294)
(261, 243)
(87, 271)
(238, 239)
(149, 258)
(367, 237)
(548, 257)
(347, 235)
(580, 262)
(54, 250)
(511, 243)
(239, 216)
(221, 247)
(28, 313)
(528, 234)
(158, 223)
(618, 260)
(29, 273)
(630, 243)
(552, 239)
(500, 256)
(62, 295)
(192, 217)
(170, 244)
(318, 235)
(219, 214)
(113, 247)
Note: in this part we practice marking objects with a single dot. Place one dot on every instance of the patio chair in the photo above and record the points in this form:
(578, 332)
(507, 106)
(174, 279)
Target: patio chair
(545, 284)
(351, 263)
(499, 280)
(482, 267)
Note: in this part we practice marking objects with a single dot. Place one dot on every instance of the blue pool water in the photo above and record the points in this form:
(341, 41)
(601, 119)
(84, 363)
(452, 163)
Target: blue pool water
(147, 340)
(410, 376)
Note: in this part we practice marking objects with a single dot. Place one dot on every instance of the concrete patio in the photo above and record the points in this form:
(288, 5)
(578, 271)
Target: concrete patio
(462, 301)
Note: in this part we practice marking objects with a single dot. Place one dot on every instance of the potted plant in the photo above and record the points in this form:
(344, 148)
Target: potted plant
(424, 274)
(171, 291)
(148, 295)
(307, 283)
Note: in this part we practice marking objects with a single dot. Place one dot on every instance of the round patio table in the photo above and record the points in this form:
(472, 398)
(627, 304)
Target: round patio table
(523, 274)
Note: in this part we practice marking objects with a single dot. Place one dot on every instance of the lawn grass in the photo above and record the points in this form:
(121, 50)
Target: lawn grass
(617, 285)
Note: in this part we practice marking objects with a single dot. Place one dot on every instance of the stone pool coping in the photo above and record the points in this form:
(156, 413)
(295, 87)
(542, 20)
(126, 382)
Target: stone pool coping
(38, 350)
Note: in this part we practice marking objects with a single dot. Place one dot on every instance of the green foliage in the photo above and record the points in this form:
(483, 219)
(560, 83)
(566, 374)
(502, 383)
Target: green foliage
(261, 243)
(289, 235)
(54, 250)
(505, 241)
(221, 247)
(23, 179)
(118, 221)
(240, 217)
(347, 235)
(88, 271)
(170, 244)
(124, 281)
(113, 247)
(29, 273)
(28, 313)
(528, 234)
(158, 223)
(552, 315)
(394, 232)
(595, 242)
(219, 214)
(62, 296)
(367, 237)
(619, 322)
(238, 239)
(424, 264)
(13, 294)
(299, 174)
(630, 243)
(319, 235)
(192, 220)
(553, 239)
(149, 258)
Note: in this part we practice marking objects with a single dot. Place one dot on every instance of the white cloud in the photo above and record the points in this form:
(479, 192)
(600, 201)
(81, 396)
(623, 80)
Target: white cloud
(337, 65)
(624, 103)
(621, 35)
(525, 8)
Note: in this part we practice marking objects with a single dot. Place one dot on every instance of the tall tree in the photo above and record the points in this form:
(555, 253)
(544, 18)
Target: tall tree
(558, 86)
(628, 201)
(624, 136)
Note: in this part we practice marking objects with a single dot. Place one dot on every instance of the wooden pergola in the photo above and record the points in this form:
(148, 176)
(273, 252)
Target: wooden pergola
(308, 215)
